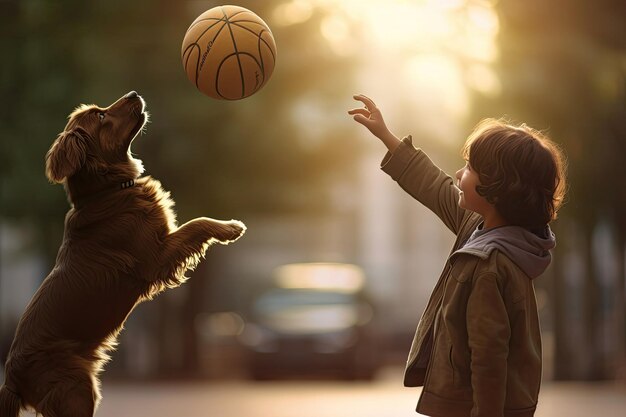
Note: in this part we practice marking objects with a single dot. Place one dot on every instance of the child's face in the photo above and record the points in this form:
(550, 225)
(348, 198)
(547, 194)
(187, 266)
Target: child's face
(467, 180)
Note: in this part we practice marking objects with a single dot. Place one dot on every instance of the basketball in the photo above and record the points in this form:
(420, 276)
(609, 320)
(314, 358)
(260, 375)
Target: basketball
(228, 53)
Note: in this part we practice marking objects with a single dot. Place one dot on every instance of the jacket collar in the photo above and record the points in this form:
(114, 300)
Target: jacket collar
(529, 251)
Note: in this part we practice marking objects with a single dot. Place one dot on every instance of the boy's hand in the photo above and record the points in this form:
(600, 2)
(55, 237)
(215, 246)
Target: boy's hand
(372, 119)
(370, 116)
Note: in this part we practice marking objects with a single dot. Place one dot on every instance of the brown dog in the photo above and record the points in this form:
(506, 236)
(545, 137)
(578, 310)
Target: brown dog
(121, 246)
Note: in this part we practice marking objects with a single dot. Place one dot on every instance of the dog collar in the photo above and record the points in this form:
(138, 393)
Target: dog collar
(82, 201)
(127, 184)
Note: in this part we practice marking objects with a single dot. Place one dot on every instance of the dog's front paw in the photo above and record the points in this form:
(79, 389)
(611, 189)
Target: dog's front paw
(237, 229)
(229, 231)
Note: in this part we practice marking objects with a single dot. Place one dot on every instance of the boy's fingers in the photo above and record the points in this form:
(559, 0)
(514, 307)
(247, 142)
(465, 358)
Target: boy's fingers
(364, 112)
(365, 100)
(362, 99)
(359, 118)
(362, 119)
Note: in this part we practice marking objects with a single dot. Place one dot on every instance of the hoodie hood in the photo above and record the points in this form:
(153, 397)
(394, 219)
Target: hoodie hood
(528, 250)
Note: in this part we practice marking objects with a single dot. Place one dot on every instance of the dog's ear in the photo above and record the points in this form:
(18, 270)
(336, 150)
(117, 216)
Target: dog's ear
(66, 155)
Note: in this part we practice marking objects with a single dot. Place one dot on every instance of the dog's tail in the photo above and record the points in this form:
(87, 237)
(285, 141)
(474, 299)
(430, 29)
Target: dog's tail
(10, 402)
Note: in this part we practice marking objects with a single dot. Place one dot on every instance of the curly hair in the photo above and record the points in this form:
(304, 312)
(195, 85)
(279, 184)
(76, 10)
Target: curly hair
(521, 171)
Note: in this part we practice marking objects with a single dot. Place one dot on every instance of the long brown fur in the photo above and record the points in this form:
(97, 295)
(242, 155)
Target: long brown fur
(121, 246)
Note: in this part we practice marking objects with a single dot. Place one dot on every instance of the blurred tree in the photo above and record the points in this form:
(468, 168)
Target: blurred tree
(562, 67)
(39, 84)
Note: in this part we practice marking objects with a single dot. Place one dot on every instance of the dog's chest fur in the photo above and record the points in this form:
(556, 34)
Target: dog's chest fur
(108, 260)
(128, 227)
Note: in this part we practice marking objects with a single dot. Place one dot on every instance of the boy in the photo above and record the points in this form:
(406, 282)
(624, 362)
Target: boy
(477, 349)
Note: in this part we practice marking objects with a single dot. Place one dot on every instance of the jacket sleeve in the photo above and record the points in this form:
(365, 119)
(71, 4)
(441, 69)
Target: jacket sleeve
(488, 332)
(413, 170)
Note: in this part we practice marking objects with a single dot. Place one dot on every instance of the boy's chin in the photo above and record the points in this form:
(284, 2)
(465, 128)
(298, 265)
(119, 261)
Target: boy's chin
(463, 205)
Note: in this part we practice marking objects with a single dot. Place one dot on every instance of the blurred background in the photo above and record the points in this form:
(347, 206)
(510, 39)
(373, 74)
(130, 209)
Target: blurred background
(330, 280)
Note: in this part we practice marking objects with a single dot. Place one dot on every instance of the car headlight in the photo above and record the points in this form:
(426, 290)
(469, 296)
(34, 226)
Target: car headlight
(258, 339)
(334, 342)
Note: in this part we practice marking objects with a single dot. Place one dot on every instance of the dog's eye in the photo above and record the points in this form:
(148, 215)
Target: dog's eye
(101, 116)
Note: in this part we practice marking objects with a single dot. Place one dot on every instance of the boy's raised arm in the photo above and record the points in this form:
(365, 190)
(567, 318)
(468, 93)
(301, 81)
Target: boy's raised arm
(412, 168)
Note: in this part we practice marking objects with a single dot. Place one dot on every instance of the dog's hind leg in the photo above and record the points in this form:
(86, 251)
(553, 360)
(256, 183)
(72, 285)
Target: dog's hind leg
(77, 398)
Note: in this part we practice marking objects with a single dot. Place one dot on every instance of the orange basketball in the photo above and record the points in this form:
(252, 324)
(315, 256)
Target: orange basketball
(228, 53)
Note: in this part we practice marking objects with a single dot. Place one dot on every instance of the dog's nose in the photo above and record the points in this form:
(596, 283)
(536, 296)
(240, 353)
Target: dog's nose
(132, 94)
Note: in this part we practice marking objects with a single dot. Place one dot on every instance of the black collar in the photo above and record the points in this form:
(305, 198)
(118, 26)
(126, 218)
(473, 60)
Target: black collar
(81, 201)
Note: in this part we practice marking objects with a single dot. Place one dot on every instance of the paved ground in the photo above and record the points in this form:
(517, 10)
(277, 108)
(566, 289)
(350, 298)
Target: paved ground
(384, 397)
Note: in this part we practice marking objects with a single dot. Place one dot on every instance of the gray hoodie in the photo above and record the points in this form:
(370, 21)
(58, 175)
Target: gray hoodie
(528, 250)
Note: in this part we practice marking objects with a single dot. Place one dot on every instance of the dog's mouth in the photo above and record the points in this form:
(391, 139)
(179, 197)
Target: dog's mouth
(139, 126)
(139, 110)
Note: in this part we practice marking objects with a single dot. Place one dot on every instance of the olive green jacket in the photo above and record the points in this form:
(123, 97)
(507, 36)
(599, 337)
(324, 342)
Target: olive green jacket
(477, 348)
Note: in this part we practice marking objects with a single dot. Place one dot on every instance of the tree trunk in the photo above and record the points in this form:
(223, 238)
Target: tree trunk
(593, 361)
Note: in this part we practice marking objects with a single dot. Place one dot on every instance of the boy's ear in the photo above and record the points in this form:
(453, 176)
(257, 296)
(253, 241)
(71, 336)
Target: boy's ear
(66, 155)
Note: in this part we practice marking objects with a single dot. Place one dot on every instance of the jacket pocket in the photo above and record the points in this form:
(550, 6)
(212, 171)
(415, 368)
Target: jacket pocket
(459, 367)
(450, 381)
(451, 363)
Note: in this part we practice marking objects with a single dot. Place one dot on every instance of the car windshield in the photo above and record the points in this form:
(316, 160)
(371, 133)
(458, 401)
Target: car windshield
(306, 311)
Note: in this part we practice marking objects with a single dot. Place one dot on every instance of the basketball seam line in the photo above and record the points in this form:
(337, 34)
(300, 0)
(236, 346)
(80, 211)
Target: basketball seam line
(259, 36)
(243, 82)
(261, 58)
(189, 56)
(199, 55)
(211, 18)
(209, 28)
(199, 49)
(197, 39)
(240, 24)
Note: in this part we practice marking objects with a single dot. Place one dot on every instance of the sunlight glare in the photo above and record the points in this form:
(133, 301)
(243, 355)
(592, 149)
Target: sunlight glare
(434, 51)
(440, 78)
(293, 12)
(477, 48)
(483, 19)
(478, 36)
(403, 25)
(337, 32)
(483, 79)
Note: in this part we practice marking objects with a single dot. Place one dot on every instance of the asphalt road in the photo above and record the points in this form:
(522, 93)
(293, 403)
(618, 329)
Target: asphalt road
(384, 397)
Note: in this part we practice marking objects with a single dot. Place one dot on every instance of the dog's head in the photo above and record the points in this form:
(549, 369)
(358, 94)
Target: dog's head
(95, 144)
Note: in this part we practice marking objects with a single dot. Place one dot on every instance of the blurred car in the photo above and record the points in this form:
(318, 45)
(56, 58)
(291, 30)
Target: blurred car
(316, 319)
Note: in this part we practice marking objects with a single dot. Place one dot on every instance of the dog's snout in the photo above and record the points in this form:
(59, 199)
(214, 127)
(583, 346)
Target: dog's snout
(132, 94)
